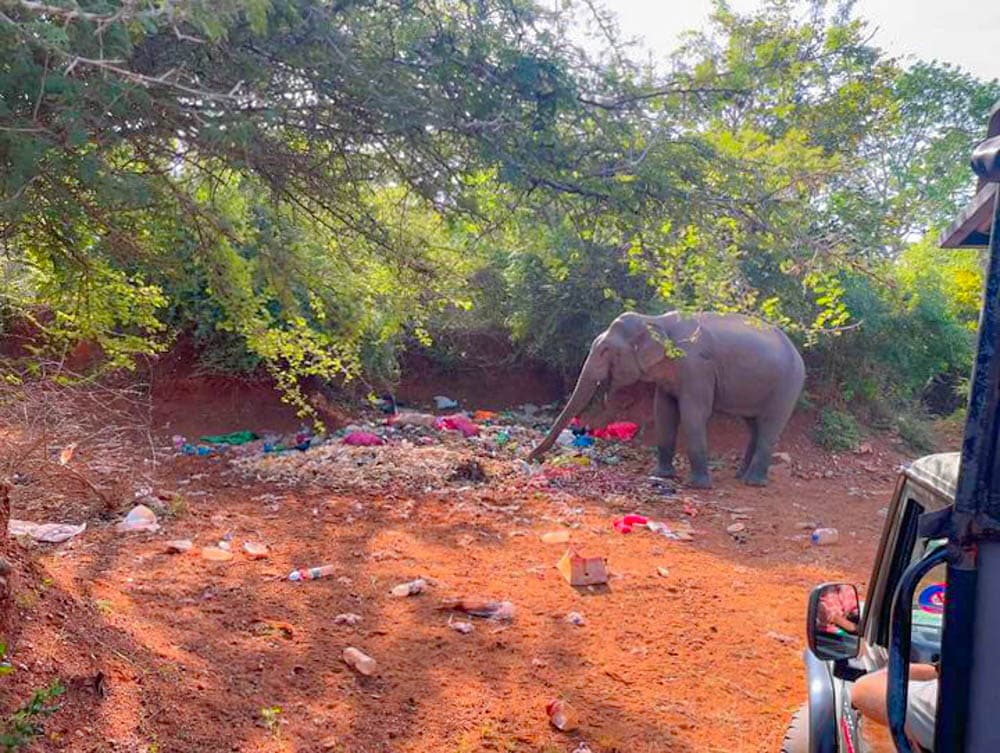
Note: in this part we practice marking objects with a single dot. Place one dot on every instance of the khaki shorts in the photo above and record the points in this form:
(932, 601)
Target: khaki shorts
(921, 711)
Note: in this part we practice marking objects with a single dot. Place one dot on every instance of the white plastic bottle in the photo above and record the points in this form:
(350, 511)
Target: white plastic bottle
(825, 536)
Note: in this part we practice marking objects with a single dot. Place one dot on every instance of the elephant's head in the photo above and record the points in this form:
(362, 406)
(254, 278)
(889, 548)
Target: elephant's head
(633, 349)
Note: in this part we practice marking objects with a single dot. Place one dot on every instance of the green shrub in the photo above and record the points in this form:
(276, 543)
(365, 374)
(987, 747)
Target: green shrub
(916, 432)
(837, 431)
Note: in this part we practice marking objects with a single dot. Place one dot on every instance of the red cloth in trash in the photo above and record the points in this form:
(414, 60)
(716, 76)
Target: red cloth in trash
(363, 439)
(623, 431)
(457, 422)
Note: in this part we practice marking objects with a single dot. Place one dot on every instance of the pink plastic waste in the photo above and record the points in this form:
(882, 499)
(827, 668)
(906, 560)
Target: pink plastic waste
(363, 439)
(457, 422)
(623, 431)
(624, 525)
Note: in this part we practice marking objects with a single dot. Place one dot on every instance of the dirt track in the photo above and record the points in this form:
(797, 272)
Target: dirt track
(706, 658)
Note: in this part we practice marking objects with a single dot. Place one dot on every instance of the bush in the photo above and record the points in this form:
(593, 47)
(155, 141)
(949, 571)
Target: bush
(837, 431)
(917, 432)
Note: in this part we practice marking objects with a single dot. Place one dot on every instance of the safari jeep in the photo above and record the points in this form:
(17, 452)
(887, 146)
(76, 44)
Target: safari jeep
(839, 654)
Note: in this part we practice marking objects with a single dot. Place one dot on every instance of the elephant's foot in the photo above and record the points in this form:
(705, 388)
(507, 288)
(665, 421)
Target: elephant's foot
(665, 471)
(754, 479)
(700, 481)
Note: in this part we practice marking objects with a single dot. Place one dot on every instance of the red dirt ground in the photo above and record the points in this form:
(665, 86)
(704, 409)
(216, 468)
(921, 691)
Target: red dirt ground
(706, 658)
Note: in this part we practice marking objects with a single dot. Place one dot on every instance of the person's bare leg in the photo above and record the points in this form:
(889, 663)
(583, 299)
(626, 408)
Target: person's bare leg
(870, 693)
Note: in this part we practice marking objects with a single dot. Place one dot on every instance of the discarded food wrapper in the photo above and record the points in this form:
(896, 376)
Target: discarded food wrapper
(139, 518)
(491, 610)
(48, 533)
(562, 716)
(583, 571)
(412, 588)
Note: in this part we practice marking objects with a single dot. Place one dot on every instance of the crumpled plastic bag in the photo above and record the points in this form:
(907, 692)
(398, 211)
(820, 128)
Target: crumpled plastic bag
(139, 518)
(48, 533)
(363, 439)
(457, 422)
(623, 431)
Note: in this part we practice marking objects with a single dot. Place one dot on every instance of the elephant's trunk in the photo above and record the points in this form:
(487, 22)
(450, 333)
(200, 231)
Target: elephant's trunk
(586, 386)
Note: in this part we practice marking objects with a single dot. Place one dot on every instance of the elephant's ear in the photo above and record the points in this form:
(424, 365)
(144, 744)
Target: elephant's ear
(653, 347)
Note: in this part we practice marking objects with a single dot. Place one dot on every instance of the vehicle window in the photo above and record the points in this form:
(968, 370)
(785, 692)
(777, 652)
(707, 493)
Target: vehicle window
(928, 602)
(905, 550)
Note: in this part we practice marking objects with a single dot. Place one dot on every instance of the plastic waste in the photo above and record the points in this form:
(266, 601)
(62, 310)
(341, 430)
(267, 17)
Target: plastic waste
(360, 661)
(457, 422)
(48, 533)
(484, 415)
(562, 716)
(555, 537)
(502, 438)
(825, 536)
(363, 439)
(625, 524)
(583, 441)
(566, 438)
(233, 438)
(347, 618)
(623, 431)
(444, 403)
(491, 610)
(461, 627)
(575, 618)
(312, 573)
(409, 418)
(662, 529)
(412, 588)
(139, 518)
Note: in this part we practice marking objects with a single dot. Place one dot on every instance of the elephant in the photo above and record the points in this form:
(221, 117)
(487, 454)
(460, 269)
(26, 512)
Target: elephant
(696, 365)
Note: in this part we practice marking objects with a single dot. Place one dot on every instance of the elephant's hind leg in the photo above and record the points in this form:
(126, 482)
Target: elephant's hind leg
(751, 448)
(667, 417)
(769, 428)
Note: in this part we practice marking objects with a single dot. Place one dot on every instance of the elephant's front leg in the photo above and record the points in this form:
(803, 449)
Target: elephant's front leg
(694, 423)
(666, 417)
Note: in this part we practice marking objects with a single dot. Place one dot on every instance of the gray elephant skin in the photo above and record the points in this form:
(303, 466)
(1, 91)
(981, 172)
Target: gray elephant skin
(695, 365)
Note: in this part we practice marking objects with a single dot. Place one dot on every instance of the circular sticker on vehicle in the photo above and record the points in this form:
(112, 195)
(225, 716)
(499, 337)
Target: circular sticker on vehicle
(931, 599)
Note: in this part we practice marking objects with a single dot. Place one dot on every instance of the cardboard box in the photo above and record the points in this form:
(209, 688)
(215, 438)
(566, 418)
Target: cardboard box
(583, 571)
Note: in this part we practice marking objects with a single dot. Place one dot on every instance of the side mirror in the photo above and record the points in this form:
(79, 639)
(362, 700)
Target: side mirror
(832, 622)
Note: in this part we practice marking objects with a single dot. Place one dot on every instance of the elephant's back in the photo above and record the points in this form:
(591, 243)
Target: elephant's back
(754, 361)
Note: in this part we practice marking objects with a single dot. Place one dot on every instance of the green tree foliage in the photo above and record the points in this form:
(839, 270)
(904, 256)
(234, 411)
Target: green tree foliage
(308, 185)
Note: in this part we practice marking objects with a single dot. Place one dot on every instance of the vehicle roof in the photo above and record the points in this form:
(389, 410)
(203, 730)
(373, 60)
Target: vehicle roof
(939, 472)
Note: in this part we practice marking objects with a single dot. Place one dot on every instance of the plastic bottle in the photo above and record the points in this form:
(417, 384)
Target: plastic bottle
(825, 536)
(411, 588)
(312, 573)
(361, 661)
(562, 716)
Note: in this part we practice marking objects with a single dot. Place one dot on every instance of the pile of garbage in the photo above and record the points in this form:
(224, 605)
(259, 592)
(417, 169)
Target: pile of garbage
(419, 451)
